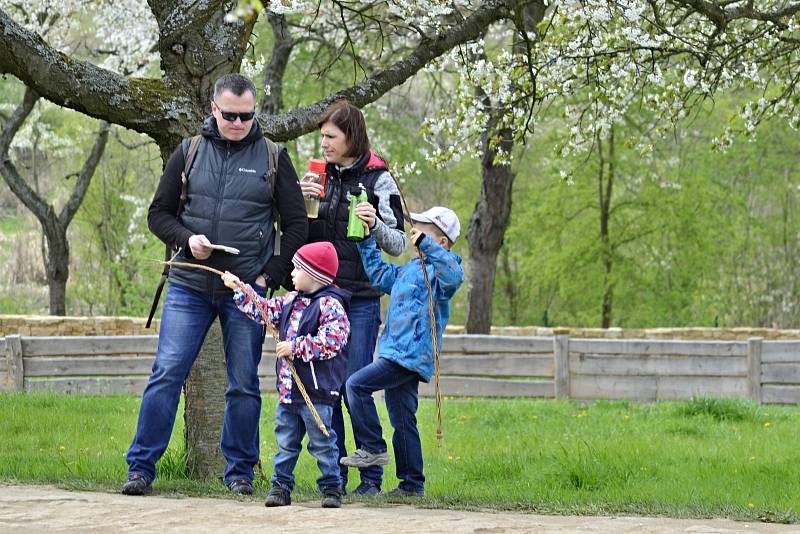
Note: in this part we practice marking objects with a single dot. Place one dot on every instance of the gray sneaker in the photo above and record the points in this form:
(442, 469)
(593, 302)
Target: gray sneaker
(361, 458)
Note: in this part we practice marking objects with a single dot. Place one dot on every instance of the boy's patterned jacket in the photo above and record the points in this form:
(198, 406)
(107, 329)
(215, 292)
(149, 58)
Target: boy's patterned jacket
(317, 325)
(406, 338)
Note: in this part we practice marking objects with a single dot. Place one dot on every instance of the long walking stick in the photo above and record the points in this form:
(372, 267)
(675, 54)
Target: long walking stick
(254, 297)
(431, 311)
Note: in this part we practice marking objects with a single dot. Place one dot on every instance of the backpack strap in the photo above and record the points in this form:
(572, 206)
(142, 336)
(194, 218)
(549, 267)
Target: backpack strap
(273, 151)
(170, 253)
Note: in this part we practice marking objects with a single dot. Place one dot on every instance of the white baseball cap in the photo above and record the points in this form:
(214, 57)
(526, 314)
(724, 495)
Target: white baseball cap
(444, 218)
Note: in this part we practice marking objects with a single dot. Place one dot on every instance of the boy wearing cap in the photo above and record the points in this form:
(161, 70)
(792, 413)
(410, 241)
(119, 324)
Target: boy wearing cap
(405, 347)
(314, 328)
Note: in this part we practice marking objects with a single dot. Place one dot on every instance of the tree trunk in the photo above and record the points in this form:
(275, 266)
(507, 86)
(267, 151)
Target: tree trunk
(487, 226)
(489, 220)
(57, 268)
(204, 393)
(605, 191)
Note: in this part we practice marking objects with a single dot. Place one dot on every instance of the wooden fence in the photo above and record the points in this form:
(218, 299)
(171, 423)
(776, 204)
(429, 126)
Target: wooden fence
(472, 365)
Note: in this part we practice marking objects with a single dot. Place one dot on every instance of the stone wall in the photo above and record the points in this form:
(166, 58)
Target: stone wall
(44, 325)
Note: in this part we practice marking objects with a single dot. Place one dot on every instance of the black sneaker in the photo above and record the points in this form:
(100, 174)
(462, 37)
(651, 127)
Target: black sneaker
(332, 497)
(241, 487)
(401, 492)
(137, 485)
(278, 496)
(366, 489)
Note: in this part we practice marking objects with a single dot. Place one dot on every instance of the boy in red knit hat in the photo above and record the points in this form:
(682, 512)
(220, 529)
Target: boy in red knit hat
(314, 328)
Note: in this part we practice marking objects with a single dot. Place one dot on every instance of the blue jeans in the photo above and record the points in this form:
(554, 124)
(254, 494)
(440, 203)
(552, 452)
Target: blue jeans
(185, 320)
(292, 422)
(401, 393)
(365, 319)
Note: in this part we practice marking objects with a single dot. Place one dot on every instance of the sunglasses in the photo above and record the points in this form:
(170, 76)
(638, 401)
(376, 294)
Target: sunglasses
(230, 116)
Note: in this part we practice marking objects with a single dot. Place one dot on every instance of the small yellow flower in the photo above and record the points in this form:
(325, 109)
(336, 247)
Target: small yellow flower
(626, 417)
(767, 424)
(752, 458)
(765, 414)
(61, 447)
(535, 417)
(751, 505)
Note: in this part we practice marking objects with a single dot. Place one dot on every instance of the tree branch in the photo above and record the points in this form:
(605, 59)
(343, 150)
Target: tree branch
(272, 103)
(85, 176)
(303, 120)
(18, 186)
(144, 105)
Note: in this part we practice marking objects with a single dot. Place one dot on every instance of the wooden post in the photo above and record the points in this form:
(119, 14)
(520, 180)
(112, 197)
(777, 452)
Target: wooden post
(754, 367)
(16, 374)
(561, 352)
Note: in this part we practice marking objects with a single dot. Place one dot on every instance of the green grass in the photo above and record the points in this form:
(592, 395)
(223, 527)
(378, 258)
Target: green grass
(703, 458)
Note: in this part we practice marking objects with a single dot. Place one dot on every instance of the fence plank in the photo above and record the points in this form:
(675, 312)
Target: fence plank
(653, 347)
(482, 344)
(780, 394)
(561, 357)
(667, 365)
(5, 382)
(488, 387)
(686, 387)
(780, 373)
(497, 365)
(94, 365)
(588, 387)
(88, 345)
(89, 385)
(754, 346)
(14, 364)
(780, 351)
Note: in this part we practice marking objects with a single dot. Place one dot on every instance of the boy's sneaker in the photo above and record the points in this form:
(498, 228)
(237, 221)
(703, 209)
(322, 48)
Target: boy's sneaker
(366, 489)
(279, 496)
(137, 485)
(332, 498)
(401, 492)
(241, 487)
(361, 458)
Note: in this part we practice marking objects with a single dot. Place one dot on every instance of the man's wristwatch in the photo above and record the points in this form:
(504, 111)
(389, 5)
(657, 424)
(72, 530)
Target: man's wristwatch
(263, 280)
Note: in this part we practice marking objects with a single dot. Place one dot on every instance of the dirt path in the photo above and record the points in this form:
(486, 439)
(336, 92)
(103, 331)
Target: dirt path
(45, 509)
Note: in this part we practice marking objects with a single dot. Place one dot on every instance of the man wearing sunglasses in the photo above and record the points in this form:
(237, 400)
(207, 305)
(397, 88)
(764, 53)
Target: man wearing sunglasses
(229, 200)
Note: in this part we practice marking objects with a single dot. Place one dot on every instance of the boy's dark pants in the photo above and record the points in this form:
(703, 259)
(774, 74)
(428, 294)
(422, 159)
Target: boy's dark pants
(401, 392)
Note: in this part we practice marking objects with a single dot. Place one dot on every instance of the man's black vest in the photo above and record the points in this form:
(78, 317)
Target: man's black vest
(229, 200)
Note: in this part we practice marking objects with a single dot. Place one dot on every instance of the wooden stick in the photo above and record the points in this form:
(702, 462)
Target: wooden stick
(431, 310)
(254, 297)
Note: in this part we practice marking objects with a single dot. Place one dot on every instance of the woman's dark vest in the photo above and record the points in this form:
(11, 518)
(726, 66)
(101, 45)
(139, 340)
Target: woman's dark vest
(229, 200)
(331, 225)
(322, 378)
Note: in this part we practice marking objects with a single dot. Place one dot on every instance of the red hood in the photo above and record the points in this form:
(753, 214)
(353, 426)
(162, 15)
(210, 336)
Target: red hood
(375, 162)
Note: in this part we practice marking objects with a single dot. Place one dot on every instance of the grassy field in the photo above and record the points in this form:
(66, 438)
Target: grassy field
(703, 458)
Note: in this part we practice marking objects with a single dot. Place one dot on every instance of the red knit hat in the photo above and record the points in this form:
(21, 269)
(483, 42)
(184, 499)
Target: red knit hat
(319, 260)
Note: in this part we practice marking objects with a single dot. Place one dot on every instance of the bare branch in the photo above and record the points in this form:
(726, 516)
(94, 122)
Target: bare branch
(85, 176)
(18, 186)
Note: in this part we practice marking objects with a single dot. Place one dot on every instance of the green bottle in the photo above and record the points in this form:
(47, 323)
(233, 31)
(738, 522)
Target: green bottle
(355, 226)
